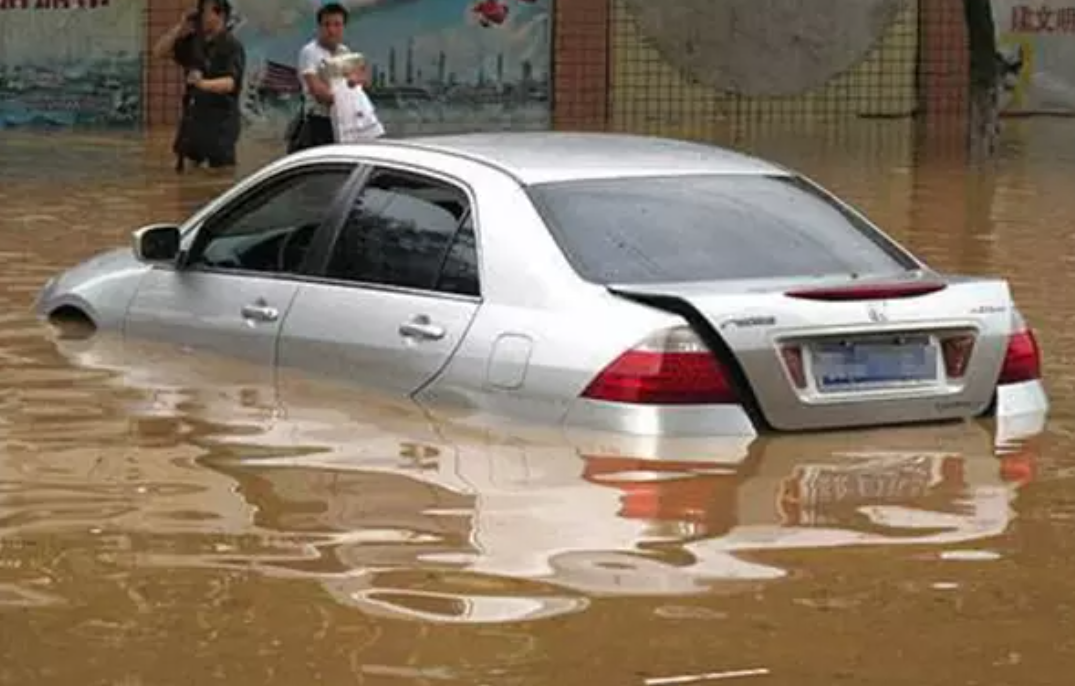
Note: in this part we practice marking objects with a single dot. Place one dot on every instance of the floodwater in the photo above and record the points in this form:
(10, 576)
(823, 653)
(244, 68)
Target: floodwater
(171, 520)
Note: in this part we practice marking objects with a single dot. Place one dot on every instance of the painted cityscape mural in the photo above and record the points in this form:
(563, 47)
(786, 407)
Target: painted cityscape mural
(436, 65)
(71, 63)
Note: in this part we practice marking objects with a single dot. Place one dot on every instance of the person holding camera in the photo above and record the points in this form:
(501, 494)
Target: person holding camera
(214, 62)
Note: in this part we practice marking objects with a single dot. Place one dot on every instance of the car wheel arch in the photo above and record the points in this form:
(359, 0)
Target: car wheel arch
(70, 316)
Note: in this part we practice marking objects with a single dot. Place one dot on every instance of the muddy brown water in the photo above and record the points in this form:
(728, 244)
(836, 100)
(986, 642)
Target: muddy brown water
(169, 520)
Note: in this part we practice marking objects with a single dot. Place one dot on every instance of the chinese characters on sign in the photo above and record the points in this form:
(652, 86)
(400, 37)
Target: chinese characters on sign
(1042, 19)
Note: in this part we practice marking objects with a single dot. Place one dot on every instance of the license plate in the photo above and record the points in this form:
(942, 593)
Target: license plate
(863, 365)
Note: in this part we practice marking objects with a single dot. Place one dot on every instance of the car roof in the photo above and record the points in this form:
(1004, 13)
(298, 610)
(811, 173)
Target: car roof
(550, 156)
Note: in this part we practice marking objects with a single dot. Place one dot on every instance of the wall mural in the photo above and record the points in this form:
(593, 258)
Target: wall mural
(71, 63)
(1036, 41)
(436, 65)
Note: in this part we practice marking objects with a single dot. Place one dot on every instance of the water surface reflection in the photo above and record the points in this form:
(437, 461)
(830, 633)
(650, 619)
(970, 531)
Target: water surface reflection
(400, 515)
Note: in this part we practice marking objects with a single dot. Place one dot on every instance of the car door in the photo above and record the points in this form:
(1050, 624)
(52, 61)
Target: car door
(230, 290)
(398, 290)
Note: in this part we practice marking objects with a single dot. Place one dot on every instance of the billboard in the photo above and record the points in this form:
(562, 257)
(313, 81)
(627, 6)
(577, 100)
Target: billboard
(71, 63)
(1036, 44)
(436, 66)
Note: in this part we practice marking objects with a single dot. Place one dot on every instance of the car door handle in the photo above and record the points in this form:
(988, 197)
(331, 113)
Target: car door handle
(260, 313)
(422, 327)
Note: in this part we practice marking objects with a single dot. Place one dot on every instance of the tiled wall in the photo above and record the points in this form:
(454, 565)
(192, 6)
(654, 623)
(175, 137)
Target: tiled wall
(944, 60)
(581, 54)
(163, 80)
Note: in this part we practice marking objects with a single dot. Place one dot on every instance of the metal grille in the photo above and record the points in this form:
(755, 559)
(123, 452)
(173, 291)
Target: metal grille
(916, 69)
(650, 95)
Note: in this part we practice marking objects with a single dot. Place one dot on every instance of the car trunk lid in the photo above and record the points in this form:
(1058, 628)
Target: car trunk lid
(843, 351)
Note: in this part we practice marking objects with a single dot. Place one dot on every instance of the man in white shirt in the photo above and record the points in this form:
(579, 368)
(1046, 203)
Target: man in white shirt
(315, 127)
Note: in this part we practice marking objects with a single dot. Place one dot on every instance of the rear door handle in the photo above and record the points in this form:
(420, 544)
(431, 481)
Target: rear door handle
(421, 327)
(260, 312)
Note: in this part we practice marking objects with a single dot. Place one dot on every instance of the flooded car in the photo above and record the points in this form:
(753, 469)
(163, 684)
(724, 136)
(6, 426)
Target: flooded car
(618, 283)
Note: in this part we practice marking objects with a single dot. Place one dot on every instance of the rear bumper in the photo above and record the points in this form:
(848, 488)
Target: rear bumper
(1020, 410)
(1018, 399)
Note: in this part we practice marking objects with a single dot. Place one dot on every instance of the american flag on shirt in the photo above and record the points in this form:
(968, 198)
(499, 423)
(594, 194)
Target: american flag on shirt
(281, 78)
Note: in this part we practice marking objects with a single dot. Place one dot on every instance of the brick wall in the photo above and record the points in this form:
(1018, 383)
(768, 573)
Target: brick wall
(162, 78)
(581, 64)
(943, 60)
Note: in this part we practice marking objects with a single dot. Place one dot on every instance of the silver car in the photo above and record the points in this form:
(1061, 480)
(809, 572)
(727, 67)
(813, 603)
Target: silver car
(609, 282)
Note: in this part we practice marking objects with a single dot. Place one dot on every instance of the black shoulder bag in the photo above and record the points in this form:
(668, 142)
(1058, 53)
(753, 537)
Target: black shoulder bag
(295, 135)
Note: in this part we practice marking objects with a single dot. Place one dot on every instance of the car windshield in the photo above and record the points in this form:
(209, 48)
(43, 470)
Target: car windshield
(709, 228)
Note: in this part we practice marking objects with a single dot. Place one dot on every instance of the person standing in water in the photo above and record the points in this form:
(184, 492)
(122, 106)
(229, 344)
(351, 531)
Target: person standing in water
(214, 61)
(313, 126)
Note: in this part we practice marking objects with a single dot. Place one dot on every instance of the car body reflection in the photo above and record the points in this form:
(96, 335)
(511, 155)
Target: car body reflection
(406, 516)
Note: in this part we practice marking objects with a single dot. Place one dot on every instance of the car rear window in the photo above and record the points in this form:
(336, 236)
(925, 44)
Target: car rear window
(708, 228)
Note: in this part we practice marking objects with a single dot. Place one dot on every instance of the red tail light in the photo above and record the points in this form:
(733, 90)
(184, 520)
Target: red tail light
(1023, 359)
(867, 292)
(672, 367)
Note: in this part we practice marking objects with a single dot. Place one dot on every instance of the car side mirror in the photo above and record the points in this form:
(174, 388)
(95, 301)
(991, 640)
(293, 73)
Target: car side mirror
(156, 243)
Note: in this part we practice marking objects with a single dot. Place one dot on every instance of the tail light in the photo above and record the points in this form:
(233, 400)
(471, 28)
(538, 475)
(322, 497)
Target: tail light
(671, 367)
(1022, 362)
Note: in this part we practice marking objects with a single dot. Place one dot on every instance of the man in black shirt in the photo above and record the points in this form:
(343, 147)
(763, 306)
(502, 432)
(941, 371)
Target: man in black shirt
(214, 62)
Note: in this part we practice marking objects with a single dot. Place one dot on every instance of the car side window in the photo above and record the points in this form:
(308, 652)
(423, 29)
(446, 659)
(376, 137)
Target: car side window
(271, 230)
(410, 231)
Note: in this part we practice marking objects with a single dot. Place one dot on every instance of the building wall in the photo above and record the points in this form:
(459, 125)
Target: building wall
(944, 68)
(437, 65)
(163, 83)
(581, 63)
(919, 66)
(650, 95)
(607, 75)
(68, 63)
